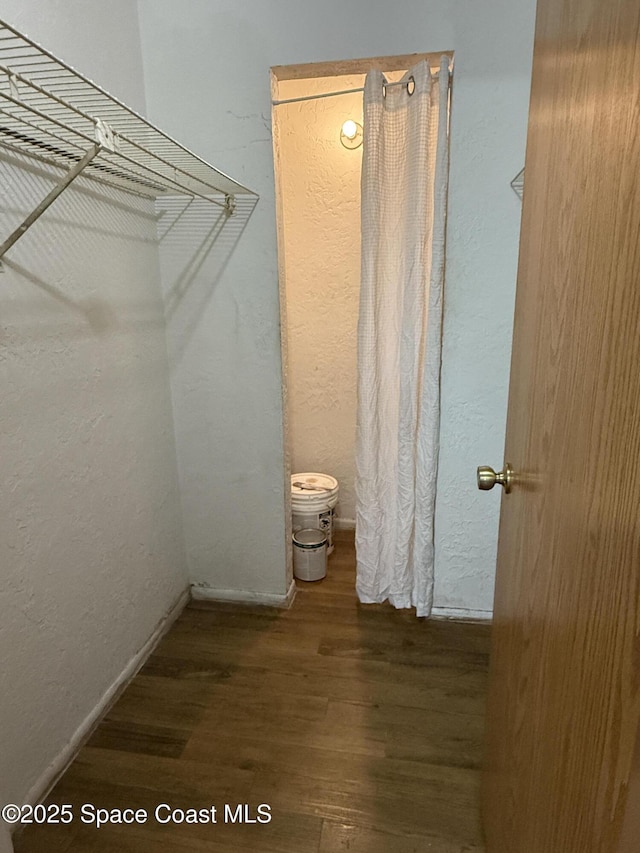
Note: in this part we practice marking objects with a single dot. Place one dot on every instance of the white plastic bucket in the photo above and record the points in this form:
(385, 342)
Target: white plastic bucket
(313, 500)
(310, 554)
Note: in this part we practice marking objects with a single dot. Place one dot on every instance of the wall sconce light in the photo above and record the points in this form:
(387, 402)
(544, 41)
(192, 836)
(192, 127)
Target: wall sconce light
(351, 134)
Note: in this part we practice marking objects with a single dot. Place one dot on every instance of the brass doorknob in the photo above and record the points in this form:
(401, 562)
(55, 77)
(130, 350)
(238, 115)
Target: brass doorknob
(487, 478)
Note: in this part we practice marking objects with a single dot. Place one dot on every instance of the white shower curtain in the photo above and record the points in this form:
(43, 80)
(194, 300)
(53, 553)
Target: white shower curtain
(404, 188)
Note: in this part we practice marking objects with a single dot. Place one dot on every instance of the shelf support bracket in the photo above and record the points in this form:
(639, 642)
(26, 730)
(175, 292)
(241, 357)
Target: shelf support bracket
(229, 204)
(517, 184)
(59, 188)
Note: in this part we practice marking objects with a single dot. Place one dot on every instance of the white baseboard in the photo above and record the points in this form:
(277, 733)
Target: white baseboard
(344, 523)
(242, 596)
(58, 766)
(462, 614)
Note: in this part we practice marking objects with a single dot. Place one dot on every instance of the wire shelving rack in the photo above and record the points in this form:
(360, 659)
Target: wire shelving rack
(51, 112)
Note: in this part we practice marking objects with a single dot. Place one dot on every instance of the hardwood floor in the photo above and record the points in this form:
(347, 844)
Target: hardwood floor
(360, 726)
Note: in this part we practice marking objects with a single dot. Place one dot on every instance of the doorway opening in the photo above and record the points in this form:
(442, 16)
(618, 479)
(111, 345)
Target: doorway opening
(318, 159)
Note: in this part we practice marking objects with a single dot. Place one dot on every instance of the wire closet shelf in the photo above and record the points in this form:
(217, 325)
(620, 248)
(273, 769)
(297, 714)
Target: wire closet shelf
(51, 112)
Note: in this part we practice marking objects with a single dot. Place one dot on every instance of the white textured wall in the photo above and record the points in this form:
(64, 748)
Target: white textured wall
(91, 544)
(206, 70)
(320, 186)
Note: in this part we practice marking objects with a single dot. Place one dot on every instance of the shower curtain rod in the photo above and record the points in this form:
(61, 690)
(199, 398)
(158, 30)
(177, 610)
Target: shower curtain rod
(333, 94)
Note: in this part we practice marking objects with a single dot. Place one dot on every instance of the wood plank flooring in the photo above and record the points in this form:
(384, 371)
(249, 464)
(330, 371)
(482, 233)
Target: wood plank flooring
(360, 726)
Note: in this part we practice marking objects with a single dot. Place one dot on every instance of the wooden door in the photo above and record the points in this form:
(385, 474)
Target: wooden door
(564, 702)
